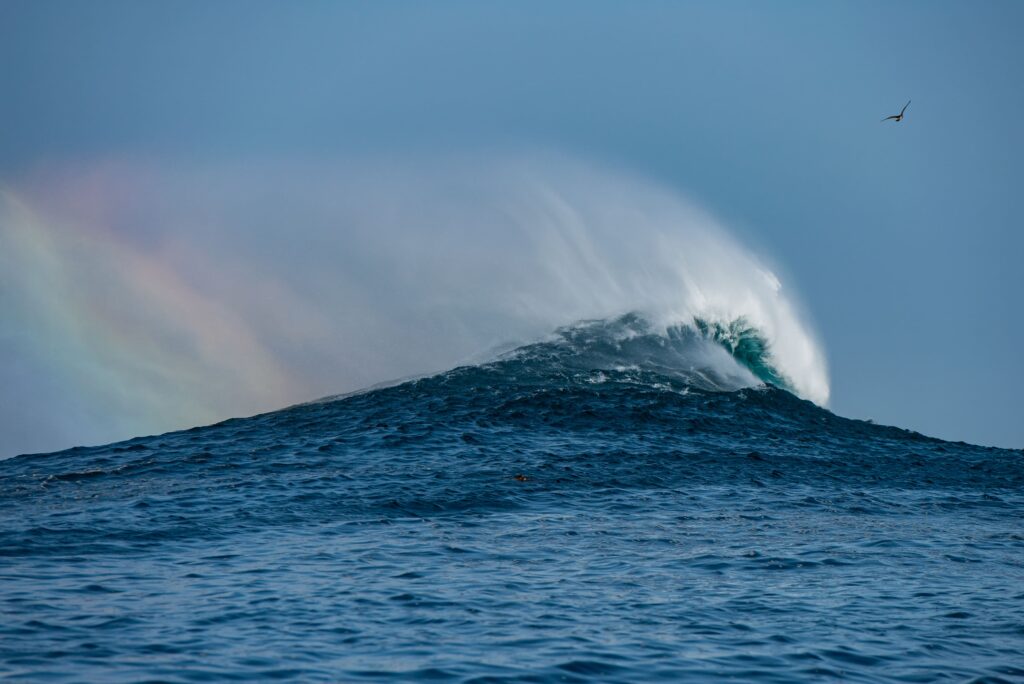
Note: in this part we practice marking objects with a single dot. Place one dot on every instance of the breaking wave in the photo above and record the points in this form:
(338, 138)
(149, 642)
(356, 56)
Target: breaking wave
(713, 357)
(243, 289)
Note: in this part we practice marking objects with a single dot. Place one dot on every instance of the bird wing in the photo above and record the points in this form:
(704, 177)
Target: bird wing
(904, 107)
(894, 116)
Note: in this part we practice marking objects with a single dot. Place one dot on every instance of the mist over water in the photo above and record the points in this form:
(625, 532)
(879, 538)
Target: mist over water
(146, 297)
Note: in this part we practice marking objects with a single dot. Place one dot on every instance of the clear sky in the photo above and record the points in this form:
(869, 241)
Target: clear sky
(903, 240)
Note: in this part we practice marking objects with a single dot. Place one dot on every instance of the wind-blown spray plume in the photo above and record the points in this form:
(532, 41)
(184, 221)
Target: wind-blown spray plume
(141, 299)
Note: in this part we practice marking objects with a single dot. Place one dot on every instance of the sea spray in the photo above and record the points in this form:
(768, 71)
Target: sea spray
(257, 286)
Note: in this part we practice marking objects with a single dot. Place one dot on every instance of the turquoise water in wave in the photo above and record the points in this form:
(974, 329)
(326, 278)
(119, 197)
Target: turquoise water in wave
(604, 506)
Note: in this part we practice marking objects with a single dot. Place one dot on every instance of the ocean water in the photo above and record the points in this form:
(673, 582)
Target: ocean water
(610, 505)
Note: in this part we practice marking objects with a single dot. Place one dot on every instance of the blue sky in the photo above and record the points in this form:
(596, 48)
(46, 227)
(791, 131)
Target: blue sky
(902, 240)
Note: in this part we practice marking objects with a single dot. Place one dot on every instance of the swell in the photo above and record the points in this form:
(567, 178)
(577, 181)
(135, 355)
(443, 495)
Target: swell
(606, 400)
(475, 439)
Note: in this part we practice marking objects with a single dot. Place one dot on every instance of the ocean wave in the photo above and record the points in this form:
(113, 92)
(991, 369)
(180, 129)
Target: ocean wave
(274, 285)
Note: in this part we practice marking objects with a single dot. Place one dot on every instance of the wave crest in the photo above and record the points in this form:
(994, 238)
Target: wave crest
(632, 349)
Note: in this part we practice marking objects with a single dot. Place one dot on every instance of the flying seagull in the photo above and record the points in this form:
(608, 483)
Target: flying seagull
(897, 117)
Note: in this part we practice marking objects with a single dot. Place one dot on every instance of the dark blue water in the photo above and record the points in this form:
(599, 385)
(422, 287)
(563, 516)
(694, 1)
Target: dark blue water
(587, 509)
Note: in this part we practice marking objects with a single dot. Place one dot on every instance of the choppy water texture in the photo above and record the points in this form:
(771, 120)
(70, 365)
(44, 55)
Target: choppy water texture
(588, 509)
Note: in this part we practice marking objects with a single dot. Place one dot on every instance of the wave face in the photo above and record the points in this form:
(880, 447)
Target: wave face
(622, 501)
(630, 348)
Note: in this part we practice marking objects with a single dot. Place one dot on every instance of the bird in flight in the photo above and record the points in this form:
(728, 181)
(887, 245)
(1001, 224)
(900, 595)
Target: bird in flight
(897, 117)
